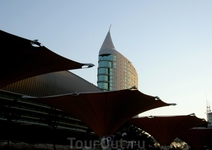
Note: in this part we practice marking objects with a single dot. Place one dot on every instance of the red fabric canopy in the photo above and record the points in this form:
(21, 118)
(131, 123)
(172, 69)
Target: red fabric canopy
(21, 58)
(104, 112)
(197, 138)
(166, 129)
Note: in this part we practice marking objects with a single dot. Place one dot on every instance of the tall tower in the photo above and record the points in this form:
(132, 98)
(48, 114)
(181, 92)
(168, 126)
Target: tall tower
(209, 113)
(115, 72)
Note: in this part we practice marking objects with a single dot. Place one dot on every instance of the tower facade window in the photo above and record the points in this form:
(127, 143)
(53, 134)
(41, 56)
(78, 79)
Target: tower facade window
(104, 63)
(103, 86)
(105, 72)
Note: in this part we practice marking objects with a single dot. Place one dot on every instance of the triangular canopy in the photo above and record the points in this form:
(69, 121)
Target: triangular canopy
(166, 128)
(197, 138)
(104, 112)
(22, 58)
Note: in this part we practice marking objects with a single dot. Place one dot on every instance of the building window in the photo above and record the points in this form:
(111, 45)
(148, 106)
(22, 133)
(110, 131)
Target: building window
(114, 57)
(105, 64)
(105, 57)
(103, 78)
(106, 72)
(103, 86)
(114, 64)
(103, 71)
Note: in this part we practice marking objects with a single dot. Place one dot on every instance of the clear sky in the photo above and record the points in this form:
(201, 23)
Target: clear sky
(169, 42)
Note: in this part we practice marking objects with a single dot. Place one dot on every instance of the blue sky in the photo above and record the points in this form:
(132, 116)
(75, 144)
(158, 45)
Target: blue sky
(168, 42)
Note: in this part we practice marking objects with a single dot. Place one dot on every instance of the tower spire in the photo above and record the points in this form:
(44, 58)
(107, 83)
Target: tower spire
(108, 43)
(110, 28)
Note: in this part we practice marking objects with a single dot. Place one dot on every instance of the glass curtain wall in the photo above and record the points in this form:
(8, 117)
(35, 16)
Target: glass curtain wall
(105, 72)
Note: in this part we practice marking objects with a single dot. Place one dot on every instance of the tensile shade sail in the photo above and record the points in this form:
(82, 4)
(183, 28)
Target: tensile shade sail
(197, 138)
(166, 128)
(104, 112)
(22, 58)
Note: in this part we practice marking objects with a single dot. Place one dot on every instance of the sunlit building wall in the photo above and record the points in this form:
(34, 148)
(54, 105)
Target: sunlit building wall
(115, 72)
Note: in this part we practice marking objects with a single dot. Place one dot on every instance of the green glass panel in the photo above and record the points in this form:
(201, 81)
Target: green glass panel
(103, 78)
(103, 86)
(105, 64)
(105, 57)
(103, 71)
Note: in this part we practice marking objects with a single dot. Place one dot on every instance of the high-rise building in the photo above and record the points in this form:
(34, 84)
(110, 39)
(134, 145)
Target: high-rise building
(115, 72)
(209, 114)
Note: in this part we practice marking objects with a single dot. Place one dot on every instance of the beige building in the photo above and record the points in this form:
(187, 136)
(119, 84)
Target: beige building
(115, 72)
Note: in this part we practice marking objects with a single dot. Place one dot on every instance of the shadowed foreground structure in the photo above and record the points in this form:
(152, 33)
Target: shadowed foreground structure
(28, 121)
(198, 138)
(23, 119)
(166, 129)
(23, 58)
(104, 112)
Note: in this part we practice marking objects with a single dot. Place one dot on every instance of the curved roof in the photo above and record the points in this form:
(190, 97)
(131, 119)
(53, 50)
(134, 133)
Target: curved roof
(104, 112)
(166, 129)
(22, 58)
(55, 83)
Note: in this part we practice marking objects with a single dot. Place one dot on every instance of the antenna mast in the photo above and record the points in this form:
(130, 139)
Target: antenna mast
(110, 27)
(208, 108)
